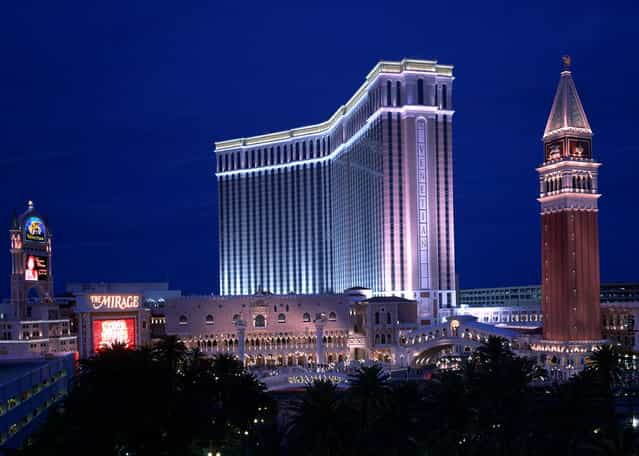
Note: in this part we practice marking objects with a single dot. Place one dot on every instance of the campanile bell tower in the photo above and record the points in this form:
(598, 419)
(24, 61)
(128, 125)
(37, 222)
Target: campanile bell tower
(568, 193)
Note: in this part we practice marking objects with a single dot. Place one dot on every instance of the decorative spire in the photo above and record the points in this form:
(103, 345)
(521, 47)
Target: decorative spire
(30, 204)
(567, 113)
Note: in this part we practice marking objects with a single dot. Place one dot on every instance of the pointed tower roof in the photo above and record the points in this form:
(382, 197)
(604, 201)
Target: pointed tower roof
(567, 113)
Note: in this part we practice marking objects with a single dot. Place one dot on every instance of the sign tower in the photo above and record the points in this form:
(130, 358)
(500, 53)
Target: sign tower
(30, 248)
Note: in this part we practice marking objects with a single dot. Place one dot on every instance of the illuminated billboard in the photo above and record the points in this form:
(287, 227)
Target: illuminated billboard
(34, 230)
(108, 332)
(114, 302)
(36, 268)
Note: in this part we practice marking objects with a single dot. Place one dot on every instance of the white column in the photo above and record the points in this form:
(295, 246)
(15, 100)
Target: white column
(319, 333)
(80, 332)
(241, 333)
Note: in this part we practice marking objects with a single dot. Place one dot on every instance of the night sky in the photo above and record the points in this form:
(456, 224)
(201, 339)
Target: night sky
(108, 111)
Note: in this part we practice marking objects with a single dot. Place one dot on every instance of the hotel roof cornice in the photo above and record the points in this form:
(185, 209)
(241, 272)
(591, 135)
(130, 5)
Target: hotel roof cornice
(403, 66)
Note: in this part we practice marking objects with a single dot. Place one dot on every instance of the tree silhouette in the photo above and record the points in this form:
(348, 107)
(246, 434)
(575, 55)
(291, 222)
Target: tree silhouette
(316, 428)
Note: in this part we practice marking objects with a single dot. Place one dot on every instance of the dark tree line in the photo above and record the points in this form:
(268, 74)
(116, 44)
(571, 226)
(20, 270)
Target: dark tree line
(160, 401)
(167, 401)
(497, 404)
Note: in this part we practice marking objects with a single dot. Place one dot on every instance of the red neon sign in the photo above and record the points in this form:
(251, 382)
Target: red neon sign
(108, 332)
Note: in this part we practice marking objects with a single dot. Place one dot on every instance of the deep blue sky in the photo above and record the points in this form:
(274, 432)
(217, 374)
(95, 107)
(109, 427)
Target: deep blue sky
(108, 110)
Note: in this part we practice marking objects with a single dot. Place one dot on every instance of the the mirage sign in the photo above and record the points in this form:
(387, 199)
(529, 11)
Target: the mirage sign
(114, 302)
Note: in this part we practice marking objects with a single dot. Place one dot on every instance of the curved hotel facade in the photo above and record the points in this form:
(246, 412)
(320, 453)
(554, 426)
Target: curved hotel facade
(363, 199)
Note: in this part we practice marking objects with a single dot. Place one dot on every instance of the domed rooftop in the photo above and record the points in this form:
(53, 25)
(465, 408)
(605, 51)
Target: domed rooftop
(32, 223)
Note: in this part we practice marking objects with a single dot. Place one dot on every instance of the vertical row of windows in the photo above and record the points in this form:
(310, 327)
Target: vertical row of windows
(447, 196)
(400, 199)
(420, 91)
(221, 225)
(391, 198)
(438, 199)
(275, 155)
(444, 97)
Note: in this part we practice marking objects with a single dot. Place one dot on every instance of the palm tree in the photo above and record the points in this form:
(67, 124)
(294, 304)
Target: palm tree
(604, 362)
(315, 428)
(450, 413)
(605, 367)
(227, 365)
(171, 351)
(369, 383)
(621, 443)
(367, 399)
(492, 352)
(195, 365)
(400, 428)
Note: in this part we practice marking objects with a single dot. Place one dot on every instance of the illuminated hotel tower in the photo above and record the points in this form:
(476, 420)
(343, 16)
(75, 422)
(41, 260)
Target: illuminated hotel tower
(362, 199)
(570, 239)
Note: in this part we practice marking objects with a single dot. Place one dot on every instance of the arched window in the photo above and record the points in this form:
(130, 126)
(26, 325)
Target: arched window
(383, 339)
(281, 318)
(377, 318)
(332, 316)
(209, 319)
(236, 317)
(376, 338)
(260, 321)
(306, 317)
(388, 318)
(183, 320)
(287, 307)
(389, 339)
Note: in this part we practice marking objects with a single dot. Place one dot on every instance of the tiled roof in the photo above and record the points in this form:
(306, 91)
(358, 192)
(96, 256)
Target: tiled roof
(567, 112)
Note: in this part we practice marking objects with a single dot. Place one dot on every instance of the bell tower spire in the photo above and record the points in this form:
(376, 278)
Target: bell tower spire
(568, 194)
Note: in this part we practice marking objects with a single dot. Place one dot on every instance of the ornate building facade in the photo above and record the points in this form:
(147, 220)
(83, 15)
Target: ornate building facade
(267, 330)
